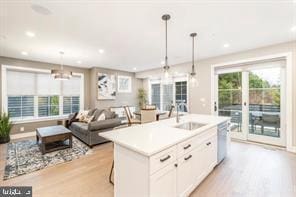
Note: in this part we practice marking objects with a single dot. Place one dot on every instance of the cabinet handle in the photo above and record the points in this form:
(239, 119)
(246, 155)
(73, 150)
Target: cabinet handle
(186, 147)
(209, 143)
(186, 158)
(166, 158)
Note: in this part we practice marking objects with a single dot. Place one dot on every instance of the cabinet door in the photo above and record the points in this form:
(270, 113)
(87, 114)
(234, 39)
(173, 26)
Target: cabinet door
(163, 183)
(199, 163)
(185, 176)
(210, 153)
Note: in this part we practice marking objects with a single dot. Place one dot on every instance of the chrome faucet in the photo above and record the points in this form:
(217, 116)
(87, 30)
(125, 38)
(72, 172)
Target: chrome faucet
(177, 106)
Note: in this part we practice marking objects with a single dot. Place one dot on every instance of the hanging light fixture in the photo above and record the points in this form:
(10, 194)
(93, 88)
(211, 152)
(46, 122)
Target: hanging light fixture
(61, 74)
(166, 67)
(193, 79)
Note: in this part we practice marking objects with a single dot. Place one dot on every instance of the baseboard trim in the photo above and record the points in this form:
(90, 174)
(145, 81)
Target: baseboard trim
(292, 149)
(22, 135)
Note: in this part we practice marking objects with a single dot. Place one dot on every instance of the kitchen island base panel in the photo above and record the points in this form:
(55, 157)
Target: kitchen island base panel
(130, 173)
(166, 173)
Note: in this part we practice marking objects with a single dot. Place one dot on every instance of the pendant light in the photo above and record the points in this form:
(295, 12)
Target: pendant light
(61, 74)
(166, 67)
(193, 79)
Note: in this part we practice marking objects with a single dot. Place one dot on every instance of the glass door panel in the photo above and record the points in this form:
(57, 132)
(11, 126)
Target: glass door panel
(265, 102)
(230, 98)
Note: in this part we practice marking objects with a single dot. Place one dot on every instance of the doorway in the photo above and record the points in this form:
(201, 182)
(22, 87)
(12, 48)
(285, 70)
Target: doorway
(253, 95)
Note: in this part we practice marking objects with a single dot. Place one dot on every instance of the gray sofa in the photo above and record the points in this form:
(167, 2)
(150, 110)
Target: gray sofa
(88, 132)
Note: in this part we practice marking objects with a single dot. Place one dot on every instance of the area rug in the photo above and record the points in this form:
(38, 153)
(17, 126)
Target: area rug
(24, 157)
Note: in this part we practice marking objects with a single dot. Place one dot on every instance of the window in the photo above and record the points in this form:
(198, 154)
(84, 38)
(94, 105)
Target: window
(21, 106)
(181, 94)
(155, 95)
(164, 95)
(33, 94)
(71, 104)
(167, 96)
(48, 106)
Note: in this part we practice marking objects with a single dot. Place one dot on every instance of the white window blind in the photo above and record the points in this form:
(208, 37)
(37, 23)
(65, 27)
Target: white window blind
(20, 83)
(47, 85)
(71, 87)
(33, 94)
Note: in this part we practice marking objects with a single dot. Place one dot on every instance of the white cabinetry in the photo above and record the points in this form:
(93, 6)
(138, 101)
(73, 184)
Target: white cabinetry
(173, 172)
(163, 182)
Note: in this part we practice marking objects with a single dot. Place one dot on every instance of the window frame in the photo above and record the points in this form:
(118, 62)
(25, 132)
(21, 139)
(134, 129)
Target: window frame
(36, 118)
(174, 80)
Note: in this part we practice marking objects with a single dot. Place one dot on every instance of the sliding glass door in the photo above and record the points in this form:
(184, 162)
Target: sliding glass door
(230, 99)
(252, 96)
(265, 111)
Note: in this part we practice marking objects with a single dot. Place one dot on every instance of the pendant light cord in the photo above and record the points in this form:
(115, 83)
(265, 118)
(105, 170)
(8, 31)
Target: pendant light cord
(166, 43)
(193, 55)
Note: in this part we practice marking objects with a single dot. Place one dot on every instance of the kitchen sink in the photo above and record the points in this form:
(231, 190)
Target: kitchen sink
(190, 126)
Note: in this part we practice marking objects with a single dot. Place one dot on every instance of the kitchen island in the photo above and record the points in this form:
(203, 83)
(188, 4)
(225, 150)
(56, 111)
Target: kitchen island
(165, 158)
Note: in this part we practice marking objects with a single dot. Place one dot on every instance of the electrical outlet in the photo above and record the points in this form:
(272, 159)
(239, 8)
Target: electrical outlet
(22, 129)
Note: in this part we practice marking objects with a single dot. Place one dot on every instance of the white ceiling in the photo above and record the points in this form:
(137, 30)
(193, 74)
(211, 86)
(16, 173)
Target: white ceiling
(132, 32)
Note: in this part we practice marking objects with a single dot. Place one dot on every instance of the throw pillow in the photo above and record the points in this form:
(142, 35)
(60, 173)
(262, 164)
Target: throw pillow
(88, 119)
(82, 115)
(101, 117)
(108, 114)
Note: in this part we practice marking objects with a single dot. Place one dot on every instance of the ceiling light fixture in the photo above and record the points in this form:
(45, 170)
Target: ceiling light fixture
(61, 74)
(293, 29)
(166, 67)
(79, 62)
(40, 9)
(193, 79)
(226, 45)
(135, 68)
(101, 51)
(24, 53)
(30, 34)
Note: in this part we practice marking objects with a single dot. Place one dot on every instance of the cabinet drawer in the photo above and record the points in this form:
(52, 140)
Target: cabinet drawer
(162, 159)
(186, 146)
(190, 144)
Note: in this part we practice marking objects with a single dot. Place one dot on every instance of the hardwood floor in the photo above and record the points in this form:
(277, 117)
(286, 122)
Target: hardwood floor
(250, 170)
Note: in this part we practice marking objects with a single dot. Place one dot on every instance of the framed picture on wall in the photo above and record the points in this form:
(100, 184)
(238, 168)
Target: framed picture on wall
(124, 84)
(106, 84)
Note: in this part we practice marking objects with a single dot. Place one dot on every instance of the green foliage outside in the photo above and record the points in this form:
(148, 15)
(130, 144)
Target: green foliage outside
(54, 105)
(230, 90)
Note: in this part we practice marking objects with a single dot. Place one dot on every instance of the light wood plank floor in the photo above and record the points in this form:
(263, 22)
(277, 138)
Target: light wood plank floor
(250, 170)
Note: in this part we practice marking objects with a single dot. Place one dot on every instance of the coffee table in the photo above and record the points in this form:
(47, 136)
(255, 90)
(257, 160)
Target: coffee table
(53, 138)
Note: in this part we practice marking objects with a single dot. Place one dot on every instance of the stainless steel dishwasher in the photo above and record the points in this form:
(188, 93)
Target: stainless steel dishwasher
(222, 141)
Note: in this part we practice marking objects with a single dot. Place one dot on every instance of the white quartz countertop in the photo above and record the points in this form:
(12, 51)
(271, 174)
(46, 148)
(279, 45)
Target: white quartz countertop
(149, 139)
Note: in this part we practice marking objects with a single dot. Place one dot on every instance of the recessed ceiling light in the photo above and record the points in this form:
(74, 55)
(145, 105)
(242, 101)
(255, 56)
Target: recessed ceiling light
(134, 68)
(101, 51)
(293, 29)
(24, 53)
(79, 62)
(30, 34)
(40, 9)
(226, 45)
